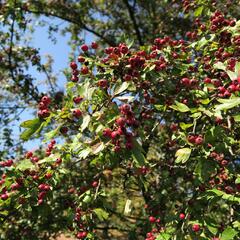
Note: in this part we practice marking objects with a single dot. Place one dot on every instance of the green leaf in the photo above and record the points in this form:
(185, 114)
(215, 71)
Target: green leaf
(232, 75)
(163, 236)
(127, 208)
(227, 103)
(219, 65)
(237, 68)
(236, 118)
(237, 181)
(51, 134)
(50, 159)
(204, 169)
(30, 123)
(137, 155)
(198, 11)
(181, 107)
(85, 122)
(121, 88)
(182, 155)
(185, 126)
(84, 153)
(101, 214)
(32, 126)
(228, 234)
(97, 147)
(25, 164)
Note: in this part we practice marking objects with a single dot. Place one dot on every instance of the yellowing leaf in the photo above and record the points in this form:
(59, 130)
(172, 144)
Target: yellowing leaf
(183, 155)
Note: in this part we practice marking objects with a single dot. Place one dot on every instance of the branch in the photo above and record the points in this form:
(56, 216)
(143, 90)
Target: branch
(73, 21)
(131, 14)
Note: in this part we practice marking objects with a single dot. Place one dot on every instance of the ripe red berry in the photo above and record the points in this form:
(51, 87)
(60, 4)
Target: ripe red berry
(77, 100)
(195, 227)
(74, 78)
(15, 186)
(4, 196)
(94, 45)
(84, 70)
(103, 83)
(114, 134)
(81, 59)
(121, 121)
(191, 139)
(29, 154)
(95, 184)
(73, 65)
(77, 113)
(59, 161)
(199, 140)
(48, 175)
(107, 132)
(182, 216)
(152, 219)
(46, 100)
(84, 47)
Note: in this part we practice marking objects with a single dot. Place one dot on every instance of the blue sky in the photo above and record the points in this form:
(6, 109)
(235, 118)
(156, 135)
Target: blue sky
(60, 54)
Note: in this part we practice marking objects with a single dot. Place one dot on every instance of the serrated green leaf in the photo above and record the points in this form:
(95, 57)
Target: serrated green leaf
(185, 126)
(25, 164)
(219, 65)
(32, 126)
(182, 155)
(198, 11)
(101, 214)
(228, 234)
(97, 147)
(181, 107)
(30, 123)
(227, 104)
(163, 236)
(121, 88)
(85, 122)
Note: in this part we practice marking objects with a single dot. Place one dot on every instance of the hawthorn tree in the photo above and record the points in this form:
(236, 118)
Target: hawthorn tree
(144, 144)
(109, 21)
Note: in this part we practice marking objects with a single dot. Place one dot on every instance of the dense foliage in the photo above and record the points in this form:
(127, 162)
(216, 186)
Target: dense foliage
(143, 145)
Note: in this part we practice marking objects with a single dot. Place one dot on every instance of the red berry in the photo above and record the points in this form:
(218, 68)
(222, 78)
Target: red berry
(199, 140)
(191, 139)
(84, 47)
(77, 113)
(29, 154)
(84, 70)
(152, 219)
(48, 175)
(107, 132)
(59, 161)
(77, 100)
(114, 134)
(4, 196)
(73, 65)
(182, 216)
(94, 45)
(81, 59)
(46, 100)
(95, 184)
(195, 227)
(103, 83)
(121, 121)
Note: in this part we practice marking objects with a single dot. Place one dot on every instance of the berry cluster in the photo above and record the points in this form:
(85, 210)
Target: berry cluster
(127, 119)
(43, 111)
